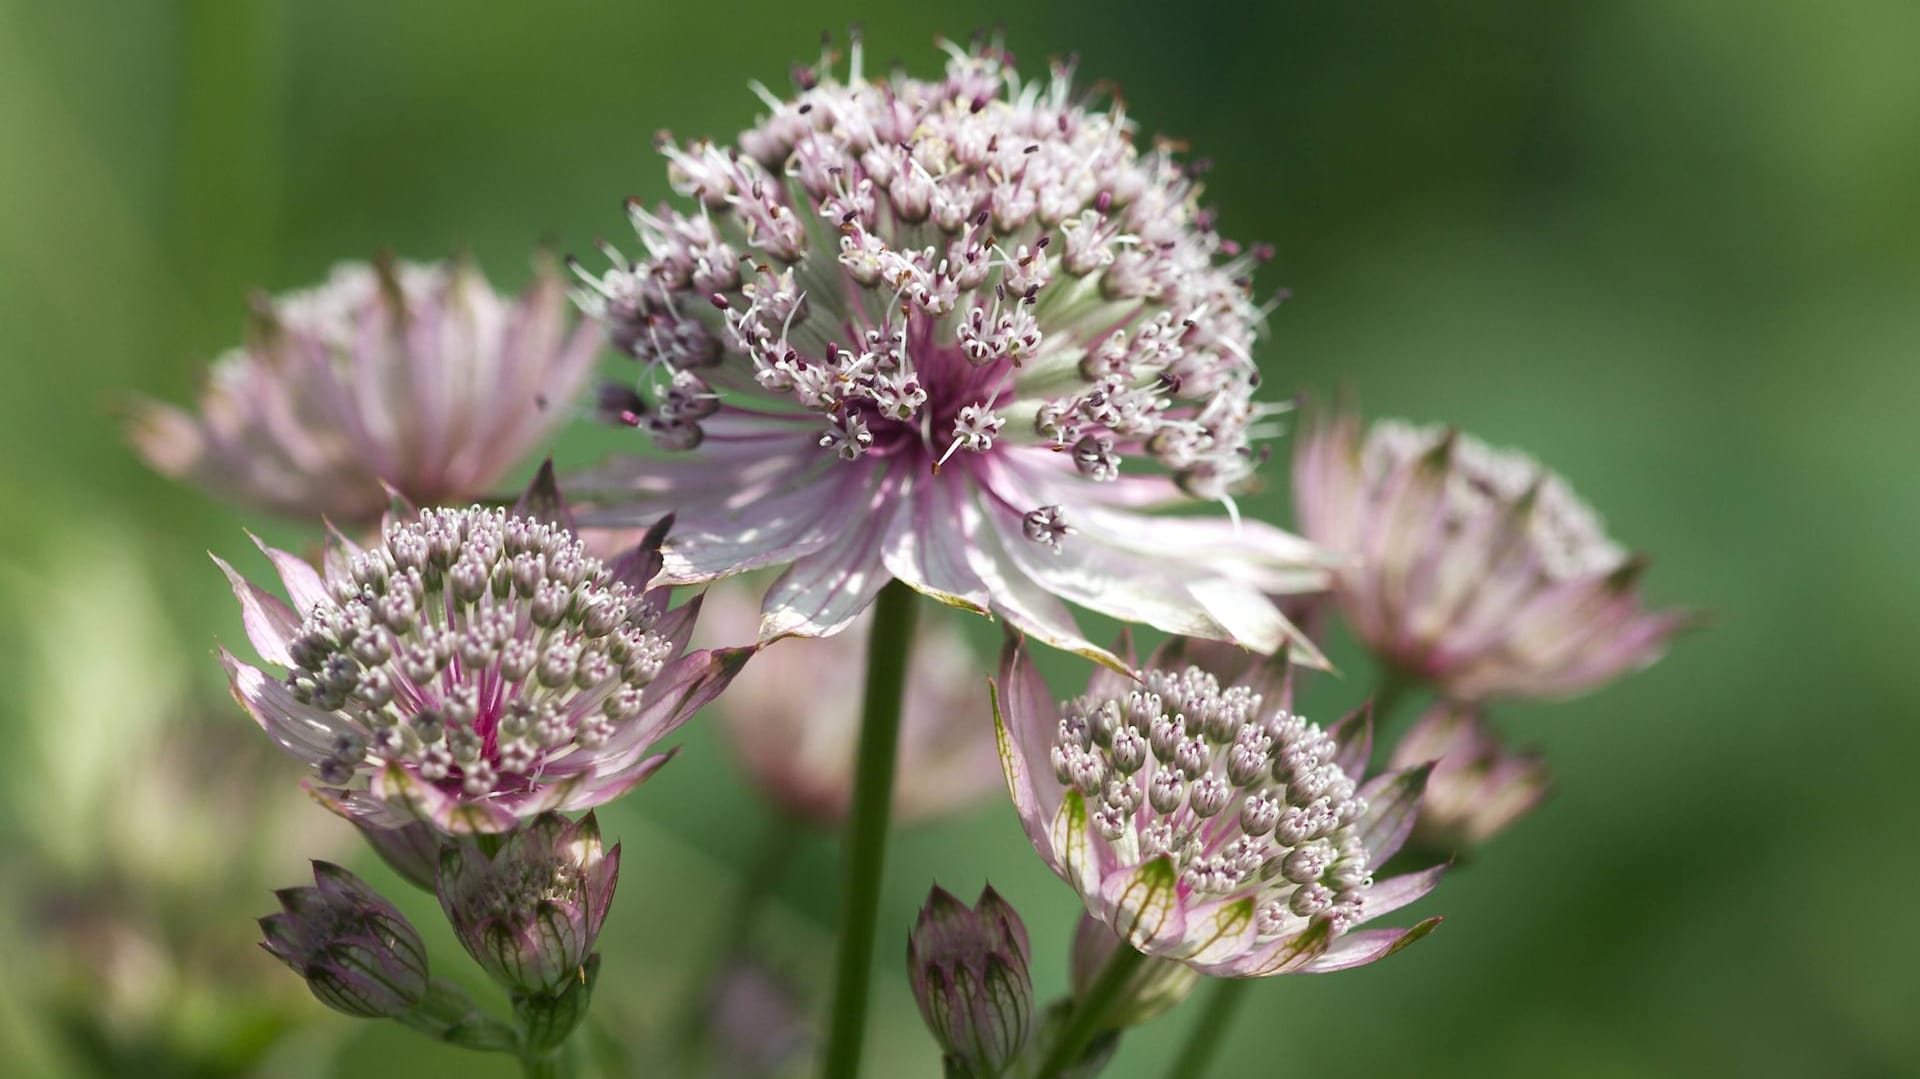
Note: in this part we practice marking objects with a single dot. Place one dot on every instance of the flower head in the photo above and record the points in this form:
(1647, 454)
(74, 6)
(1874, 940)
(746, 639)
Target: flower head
(1471, 567)
(787, 721)
(1203, 822)
(358, 953)
(474, 668)
(530, 911)
(969, 969)
(416, 377)
(960, 332)
(1478, 787)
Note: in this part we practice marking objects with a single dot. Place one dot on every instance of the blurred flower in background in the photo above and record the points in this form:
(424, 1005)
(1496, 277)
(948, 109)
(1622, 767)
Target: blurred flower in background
(1478, 787)
(791, 720)
(1469, 567)
(418, 377)
(917, 329)
(149, 834)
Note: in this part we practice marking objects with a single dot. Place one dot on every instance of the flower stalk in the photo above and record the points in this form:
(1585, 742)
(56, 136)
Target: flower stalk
(1089, 1013)
(887, 651)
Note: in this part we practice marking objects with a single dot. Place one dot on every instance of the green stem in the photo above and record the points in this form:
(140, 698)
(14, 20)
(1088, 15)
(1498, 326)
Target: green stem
(1211, 1029)
(447, 1014)
(544, 1065)
(764, 872)
(867, 827)
(1084, 1022)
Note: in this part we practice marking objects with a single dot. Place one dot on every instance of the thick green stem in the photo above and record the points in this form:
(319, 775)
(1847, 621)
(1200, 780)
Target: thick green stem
(1087, 1019)
(867, 827)
(1204, 1041)
(544, 1065)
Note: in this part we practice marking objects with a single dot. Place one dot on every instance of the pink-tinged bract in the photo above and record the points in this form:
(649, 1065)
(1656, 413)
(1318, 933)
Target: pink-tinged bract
(1472, 568)
(472, 669)
(788, 721)
(968, 967)
(530, 911)
(958, 332)
(1478, 787)
(1203, 822)
(357, 952)
(415, 377)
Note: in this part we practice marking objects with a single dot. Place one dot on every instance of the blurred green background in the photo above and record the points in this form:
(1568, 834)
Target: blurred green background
(1670, 248)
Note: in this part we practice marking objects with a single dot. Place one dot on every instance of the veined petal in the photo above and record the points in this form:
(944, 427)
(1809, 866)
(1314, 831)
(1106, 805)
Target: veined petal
(302, 730)
(821, 593)
(269, 623)
(1034, 815)
(1366, 946)
(1072, 840)
(1393, 804)
(303, 584)
(1280, 957)
(1141, 904)
(1391, 894)
(926, 544)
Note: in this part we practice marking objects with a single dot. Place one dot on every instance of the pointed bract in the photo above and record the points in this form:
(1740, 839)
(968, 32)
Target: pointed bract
(969, 971)
(357, 952)
(530, 912)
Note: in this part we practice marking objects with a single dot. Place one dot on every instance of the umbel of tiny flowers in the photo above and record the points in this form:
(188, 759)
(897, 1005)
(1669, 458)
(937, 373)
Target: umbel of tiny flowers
(969, 972)
(962, 333)
(474, 668)
(530, 910)
(1202, 821)
(357, 952)
(1471, 568)
(415, 377)
(788, 723)
(1478, 787)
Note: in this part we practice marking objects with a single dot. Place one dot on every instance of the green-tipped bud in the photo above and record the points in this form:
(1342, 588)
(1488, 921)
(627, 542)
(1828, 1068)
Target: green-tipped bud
(969, 970)
(530, 911)
(1157, 984)
(357, 952)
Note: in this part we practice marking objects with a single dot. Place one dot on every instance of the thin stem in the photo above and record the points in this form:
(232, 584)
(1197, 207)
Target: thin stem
(1204, 1041)
(543, 1066)
(1084, 1022)
(867, 827)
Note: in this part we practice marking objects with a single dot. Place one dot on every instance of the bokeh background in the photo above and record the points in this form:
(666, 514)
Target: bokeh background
(1669, 248)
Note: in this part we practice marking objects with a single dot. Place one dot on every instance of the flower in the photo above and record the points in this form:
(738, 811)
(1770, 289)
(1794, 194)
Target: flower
(472, 669)
(969, 970)
(418, 377)
(530, 911)
(358, 953)
(1478, 787)
(1203, 822)
(788, 722)
(959, 333)
(1473, 568)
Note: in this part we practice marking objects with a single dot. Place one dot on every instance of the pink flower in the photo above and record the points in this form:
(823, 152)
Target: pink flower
(1478, 787)
(530, 911)
(1473, 568)
(788, 721)
(1203, 822)
(473, 669)
(961, 333)
(417, 377)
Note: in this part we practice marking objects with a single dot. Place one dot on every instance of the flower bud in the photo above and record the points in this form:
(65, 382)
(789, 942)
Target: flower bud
(357, 952)
(530, 911)
(969, 970)
(1156, 986)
